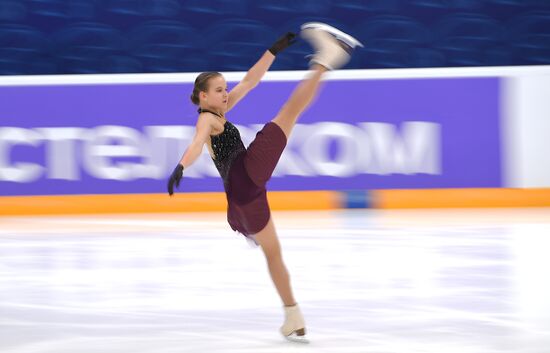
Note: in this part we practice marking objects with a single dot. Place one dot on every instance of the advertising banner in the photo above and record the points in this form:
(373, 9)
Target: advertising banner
(357, 134)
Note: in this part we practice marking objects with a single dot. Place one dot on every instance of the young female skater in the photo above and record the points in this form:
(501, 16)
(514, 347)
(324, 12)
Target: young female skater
(245, 171)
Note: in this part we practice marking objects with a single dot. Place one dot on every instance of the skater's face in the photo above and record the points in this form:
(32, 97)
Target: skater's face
(216, 95)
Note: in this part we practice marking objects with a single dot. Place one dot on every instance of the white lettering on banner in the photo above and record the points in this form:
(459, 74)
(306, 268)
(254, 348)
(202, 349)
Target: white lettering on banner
(292, 162)
(316, 149)
(104, 143)
(18, 172)
(61, 160)
(167, 144)
(122, 153)
(417, 150)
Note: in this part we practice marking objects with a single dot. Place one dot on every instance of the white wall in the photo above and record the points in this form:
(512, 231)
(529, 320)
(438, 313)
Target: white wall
(527, 131)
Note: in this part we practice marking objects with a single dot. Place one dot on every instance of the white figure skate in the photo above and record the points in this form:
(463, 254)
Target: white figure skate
(294, 328)
(332, 47)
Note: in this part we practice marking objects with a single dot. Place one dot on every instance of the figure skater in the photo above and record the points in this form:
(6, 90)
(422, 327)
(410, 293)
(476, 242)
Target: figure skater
(245, 171)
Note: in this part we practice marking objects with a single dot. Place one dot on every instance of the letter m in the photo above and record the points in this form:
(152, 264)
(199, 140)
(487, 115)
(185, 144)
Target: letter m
(416, 150)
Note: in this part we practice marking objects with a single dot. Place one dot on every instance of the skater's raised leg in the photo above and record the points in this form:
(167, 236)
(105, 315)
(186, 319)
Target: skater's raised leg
(332, 50)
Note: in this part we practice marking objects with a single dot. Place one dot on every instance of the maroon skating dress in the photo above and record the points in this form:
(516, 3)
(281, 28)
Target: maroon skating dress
(245, 172)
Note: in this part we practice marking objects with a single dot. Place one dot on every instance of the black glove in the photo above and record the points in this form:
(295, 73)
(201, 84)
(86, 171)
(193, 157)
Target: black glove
(283, 42)
(175, 178)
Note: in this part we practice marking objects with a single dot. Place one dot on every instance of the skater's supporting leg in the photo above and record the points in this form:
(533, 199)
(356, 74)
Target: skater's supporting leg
(267, 238)
(294, 321)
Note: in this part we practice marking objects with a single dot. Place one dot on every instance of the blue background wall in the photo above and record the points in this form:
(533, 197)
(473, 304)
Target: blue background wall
(119, 36)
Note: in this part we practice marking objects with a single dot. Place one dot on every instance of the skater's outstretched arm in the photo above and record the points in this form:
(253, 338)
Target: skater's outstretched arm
(202, 133)
(256, 72)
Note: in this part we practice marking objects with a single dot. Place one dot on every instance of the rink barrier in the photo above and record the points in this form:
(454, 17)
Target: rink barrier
(279, 200)
(146, 203)
(462, 198)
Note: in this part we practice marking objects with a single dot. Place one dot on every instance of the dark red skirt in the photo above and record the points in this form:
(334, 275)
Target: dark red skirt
(248, 210)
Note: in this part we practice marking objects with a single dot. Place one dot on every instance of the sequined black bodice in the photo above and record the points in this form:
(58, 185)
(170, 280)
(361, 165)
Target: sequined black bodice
(226, 147)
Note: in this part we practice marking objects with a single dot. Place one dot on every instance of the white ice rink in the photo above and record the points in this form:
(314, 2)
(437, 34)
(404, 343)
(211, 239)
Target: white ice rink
(440, 281)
